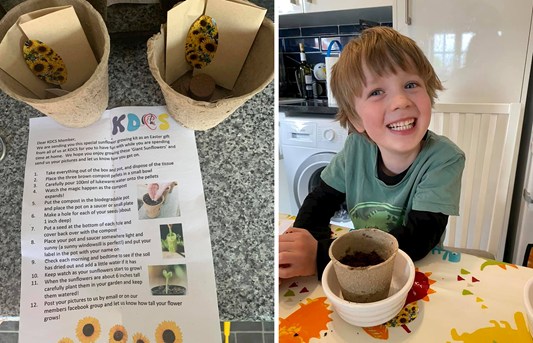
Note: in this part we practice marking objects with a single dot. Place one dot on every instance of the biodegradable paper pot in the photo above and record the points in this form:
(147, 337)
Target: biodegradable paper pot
(378, 312)
(257, 72)
(153, 211)
(85, 105)
(369, 283)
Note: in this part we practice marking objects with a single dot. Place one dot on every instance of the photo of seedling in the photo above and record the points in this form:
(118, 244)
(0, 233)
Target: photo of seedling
(168, 279)
(172, 241)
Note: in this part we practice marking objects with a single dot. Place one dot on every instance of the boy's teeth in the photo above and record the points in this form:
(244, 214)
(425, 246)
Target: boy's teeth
(402, 125)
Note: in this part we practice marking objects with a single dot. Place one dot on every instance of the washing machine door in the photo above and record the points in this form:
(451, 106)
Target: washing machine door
(307, 175)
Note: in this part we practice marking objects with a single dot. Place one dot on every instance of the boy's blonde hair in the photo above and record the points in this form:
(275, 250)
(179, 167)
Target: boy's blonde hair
(382, 50)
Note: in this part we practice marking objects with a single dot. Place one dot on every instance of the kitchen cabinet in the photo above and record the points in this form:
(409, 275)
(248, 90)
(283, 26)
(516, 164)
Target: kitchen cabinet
(480, 49)
(312, 6)
(290, 6)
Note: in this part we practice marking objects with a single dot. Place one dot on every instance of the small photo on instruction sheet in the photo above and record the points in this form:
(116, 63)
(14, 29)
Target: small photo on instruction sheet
(172, 244)
(158, 199)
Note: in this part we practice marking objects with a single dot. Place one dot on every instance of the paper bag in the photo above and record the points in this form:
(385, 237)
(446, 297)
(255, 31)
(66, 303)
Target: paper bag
(77, 108)
(237, 22)
(330, 61)
(179, 20)
(257, 72)
(59, 28)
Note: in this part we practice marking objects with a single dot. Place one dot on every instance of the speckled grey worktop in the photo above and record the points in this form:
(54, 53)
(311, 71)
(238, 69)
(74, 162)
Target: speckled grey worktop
(237, 164)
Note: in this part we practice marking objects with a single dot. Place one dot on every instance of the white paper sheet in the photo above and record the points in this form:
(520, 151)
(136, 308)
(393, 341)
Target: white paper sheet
(90, 253)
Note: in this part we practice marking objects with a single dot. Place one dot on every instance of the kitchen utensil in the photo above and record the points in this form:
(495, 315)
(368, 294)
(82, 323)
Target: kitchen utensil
(330, 61)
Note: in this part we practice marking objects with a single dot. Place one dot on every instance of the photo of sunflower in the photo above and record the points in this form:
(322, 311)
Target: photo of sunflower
(65, 340)
(88, 330)
(140, 338)
(168, 332)
(118, 333)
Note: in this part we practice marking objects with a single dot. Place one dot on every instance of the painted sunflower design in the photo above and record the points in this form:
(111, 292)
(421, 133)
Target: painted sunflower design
(168, 332)
(65, 340)
(202, 42)
(44, 62)
(140, 338)
(88, 330)
(118, 333)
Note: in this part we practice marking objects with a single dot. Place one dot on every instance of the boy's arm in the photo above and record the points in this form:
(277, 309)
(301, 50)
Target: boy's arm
(315, 214)
(318, 208)
(421, 234)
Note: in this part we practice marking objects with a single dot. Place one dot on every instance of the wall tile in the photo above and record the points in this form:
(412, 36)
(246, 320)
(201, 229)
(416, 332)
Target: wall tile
(316, 40)
(320, 30)
(295, 32)
(356, 28)
(310, 44)
(324, 42)
(281, 45)
(11, 337)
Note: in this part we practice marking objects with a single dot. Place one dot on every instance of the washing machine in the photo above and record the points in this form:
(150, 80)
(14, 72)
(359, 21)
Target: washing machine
(307, 146)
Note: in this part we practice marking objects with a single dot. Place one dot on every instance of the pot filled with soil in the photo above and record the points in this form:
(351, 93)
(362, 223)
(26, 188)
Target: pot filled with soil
(363, 261)
(168, 285)
(152, 207)
(170, 290)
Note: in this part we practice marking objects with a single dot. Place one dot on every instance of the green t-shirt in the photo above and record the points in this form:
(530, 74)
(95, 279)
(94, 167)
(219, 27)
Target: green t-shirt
(432, 183)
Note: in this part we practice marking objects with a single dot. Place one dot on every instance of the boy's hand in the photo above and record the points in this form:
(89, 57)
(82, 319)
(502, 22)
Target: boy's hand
(297, 253)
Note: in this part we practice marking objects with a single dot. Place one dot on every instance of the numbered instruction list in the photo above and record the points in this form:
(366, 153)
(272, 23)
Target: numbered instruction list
(115, 238)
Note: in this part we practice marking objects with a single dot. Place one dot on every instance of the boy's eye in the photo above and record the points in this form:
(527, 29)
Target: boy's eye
(411, 85)
(375, 92)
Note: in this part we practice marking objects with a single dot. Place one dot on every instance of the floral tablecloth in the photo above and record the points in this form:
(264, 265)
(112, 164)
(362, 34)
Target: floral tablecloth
(456, 298)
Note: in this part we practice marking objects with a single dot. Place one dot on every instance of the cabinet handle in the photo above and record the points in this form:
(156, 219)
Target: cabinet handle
(407, 10)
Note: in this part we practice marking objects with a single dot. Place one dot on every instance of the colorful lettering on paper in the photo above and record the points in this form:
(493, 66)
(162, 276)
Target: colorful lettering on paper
(497, 332)
(133, 122)
(306, 322)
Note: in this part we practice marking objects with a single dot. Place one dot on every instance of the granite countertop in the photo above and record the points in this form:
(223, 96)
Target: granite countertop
(237, 164)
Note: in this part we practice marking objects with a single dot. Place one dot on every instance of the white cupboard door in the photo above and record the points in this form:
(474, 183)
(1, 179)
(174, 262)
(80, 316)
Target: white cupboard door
(337, 5)
(479, 48)
(290, 6)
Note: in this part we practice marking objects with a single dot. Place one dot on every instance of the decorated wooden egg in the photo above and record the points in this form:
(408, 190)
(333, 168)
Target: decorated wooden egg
(44, 62)
(202, 42)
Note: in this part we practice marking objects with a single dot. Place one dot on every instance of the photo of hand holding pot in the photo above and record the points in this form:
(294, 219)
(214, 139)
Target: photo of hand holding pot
(158, 200)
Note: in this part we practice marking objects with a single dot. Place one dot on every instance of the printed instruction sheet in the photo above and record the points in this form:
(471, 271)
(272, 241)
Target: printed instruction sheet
(115, 237)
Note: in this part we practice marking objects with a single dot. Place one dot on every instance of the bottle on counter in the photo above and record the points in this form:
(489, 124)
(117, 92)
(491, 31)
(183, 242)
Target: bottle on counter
(305, 74)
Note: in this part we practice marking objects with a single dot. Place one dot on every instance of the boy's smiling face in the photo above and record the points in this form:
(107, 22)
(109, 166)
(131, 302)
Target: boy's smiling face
(394, 111)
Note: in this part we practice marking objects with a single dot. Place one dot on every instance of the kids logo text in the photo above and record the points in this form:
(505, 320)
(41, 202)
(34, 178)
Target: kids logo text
(133, 122)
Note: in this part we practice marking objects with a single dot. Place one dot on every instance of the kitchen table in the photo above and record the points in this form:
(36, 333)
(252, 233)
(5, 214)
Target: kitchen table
(467, 299)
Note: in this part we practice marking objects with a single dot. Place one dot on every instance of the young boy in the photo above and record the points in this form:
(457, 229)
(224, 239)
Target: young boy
(393, 173)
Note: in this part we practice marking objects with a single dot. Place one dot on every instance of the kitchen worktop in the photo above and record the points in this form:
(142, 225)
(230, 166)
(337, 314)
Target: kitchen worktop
(237, 164)
(296, 107)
